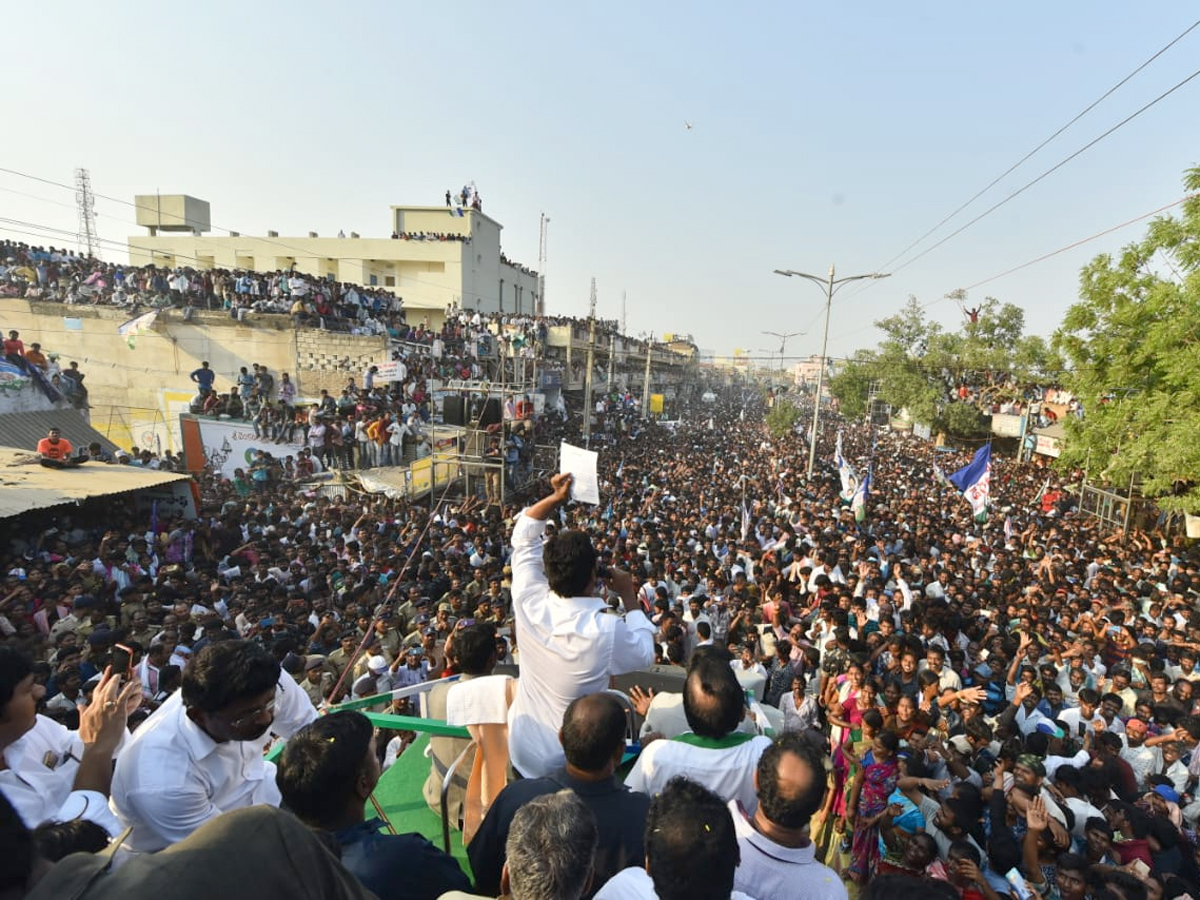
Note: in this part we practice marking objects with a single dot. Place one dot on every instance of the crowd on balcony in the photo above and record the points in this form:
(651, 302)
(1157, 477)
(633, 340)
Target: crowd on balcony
(429, 236)
(52, 275)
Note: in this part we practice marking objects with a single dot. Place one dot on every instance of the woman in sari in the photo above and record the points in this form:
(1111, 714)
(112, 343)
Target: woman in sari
(848, 722)
(868, 803)
(908, 719)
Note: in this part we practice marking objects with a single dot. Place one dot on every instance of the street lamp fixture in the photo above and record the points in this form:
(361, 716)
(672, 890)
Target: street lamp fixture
(831, 285)
(783, 339)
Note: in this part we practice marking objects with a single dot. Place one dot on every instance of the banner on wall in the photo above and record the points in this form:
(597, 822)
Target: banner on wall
(167, 501)
(226, 445)
(388, 371)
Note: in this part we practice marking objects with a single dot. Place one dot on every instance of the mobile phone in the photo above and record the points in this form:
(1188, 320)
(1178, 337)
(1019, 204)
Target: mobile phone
(122, 661)
(1020, 888)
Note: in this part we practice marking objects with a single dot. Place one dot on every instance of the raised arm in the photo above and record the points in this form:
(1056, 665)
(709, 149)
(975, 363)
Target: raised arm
(527, 534)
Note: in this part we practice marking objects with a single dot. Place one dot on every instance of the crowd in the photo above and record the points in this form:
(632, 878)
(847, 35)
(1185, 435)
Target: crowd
(429, 236)
(911, 702)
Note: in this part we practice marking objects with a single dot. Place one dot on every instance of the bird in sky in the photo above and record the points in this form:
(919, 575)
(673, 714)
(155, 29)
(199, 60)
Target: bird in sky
(687, 126)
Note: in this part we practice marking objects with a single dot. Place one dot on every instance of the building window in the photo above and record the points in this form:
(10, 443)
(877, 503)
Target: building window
(374, 281)
(389, 280)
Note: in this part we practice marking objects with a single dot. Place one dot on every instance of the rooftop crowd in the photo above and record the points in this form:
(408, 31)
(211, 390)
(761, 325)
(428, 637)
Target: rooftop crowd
(938, 705)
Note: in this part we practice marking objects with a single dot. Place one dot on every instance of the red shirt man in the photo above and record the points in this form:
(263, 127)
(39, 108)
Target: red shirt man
(54, 447)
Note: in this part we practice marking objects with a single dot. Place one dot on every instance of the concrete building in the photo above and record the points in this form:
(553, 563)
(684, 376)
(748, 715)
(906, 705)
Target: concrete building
(466, 269)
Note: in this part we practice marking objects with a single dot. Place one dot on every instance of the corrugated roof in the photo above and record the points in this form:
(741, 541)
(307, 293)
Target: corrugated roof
(26, 485)
(25, 429)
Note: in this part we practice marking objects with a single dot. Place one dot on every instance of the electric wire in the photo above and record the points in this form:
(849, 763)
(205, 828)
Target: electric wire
(991, 184)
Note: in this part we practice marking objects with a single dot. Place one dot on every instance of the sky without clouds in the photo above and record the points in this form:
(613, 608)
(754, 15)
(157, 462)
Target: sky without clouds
(821, 133)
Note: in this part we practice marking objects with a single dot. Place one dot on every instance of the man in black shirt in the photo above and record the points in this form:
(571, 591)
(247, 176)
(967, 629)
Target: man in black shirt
(593, 740)
(326, 774)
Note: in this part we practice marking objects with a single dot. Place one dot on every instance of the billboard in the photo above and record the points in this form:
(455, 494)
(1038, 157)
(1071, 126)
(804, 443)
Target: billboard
(1007, 425)
(1047, 445)
(227, 444)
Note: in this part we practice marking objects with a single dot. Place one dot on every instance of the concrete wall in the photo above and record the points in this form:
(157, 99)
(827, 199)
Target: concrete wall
(19, 393)
(137, 392)
(329, 360)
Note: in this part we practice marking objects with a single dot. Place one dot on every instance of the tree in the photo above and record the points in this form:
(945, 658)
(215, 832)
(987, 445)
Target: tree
(782, 418)
(1133, 341)
(921, 367)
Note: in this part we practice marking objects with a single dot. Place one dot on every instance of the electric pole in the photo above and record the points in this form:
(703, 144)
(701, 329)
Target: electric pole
(646, 381)
(540, 306)
(591, 365)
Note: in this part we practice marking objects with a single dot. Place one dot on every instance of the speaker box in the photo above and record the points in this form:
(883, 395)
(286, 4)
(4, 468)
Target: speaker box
(492, 413)
(454, 410)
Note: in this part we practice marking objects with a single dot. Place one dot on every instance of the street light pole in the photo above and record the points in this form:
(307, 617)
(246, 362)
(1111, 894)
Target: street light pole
(783, 339)
(831, 286)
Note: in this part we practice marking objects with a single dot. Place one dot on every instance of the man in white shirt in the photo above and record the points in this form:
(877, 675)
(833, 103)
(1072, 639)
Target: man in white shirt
(778, 858)
(50, 773)
(691, 849)
(148, 669)
(570, 645)
(201, 753)
(935, 662)
(1082, 718)
(714, 752)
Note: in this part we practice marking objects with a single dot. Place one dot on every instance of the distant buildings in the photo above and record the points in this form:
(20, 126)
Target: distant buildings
(434, 256)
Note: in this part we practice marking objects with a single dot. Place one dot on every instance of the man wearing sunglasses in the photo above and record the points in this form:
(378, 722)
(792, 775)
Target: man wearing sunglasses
(201, 753)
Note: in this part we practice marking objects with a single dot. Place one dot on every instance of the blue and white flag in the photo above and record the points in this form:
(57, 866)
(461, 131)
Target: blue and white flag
(975, 481)
(456, 211)
(859, 503)
(745, 521)
(845, 473)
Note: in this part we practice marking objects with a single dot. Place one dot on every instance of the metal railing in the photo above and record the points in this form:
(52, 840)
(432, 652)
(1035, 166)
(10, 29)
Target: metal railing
(440, 728)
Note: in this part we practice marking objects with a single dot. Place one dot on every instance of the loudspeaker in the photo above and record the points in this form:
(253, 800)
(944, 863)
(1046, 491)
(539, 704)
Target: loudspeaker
(492, 414)
(454, 410)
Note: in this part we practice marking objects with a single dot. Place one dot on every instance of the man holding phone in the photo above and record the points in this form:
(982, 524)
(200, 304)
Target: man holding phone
(49, 772)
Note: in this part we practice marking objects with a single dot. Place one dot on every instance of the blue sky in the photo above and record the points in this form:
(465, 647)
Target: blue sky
(822, 133)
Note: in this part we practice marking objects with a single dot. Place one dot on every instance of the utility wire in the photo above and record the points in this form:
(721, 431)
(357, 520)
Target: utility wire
(995, 206)
(991, 184)
(1045, 256)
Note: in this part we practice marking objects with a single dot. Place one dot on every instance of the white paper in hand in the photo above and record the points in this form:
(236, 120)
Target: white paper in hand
(581, 465)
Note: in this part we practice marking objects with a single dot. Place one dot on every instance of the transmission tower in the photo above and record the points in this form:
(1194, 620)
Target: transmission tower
(623, 331)
(592, 302)
(87, 237)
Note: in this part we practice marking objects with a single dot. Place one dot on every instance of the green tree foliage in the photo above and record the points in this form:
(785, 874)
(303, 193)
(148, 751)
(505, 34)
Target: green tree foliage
(1133, 342)
(920, 366)
(782, 417)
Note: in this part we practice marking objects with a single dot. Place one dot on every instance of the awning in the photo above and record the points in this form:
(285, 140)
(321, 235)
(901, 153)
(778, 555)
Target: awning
(26, 485)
